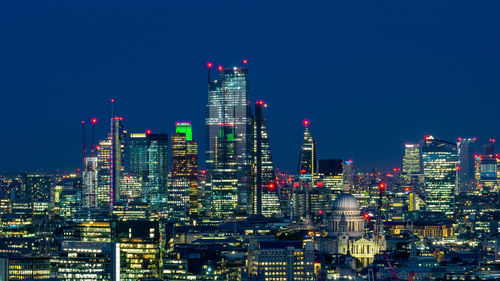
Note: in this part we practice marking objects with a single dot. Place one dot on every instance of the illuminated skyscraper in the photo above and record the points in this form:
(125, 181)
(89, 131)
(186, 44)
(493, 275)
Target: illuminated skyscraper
(307, 169)
(90, 182)
(156, 189)
(466, 177)
(229, 103)
(183, 192)
(348, 174)
(138, 155)
(307, 160)
(489, 169)
(103, 173)
(224, 180)
(412, 161)
(265, 199)
(117, 160)
(440, 159)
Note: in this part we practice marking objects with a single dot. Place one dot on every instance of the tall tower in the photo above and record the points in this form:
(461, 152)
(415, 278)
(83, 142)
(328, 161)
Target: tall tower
(156, 188)
(466, 171)
(440, 159)
(307, 161)
(488, 168)
(224, 180)
(184, 172)
(265, 199)
(90, 182)
(307, 169)
(104, 173)
(229, 103)
(117, 157)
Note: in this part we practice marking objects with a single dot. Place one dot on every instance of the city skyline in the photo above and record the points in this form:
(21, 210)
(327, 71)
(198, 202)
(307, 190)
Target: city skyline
(392, 66)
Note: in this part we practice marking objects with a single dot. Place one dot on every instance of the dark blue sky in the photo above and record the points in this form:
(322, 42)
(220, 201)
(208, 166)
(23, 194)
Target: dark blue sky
(370, 75)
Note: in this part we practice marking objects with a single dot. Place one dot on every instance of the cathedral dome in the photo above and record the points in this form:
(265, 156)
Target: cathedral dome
(345, 202)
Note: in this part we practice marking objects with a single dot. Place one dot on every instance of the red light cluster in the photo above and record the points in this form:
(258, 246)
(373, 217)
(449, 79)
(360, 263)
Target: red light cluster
(259, 102)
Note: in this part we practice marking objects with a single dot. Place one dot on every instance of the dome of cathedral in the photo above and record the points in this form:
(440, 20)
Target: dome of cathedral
(345, 202)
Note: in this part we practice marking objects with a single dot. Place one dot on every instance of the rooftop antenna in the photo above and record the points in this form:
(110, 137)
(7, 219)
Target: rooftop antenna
(112, 107)
(92, 147)
(84, 142)
(209, 66)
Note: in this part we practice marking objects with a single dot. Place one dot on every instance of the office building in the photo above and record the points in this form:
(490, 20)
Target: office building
(104, 173)
(440, 161)
(117, 158)
(183, 190)
(466, 178)
(229, 103)
(264, 194)
(224, 181)
(281, 260)
(89, 261)
(90, 182)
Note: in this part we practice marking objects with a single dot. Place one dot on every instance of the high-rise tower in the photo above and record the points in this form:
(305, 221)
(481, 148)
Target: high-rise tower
(224, 181)
(466, 171)
(229, 103)
(264, 194)
(440, 159)
(117, 157)
(307, 170)
(183, 193)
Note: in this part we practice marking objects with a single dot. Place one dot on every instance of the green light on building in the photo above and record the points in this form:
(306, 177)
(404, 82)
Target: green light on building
(184, 128)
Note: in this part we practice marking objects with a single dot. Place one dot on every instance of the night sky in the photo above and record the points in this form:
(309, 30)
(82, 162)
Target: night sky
(369, 75)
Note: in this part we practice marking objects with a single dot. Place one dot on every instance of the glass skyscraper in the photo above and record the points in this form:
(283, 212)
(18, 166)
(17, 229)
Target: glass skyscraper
(224, 187)
(118, 159)
(440, 161)
(183, 191)
(466, 177)
(229, 104)
(264, 194)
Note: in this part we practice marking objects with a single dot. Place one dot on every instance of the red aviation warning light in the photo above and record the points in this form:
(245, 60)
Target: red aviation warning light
(94, 120)
(112, 100)
(83, 122)
(306, 123)
(219, 67)
(381, 186)
(320, 212)
(148, 132)
(459, 138)
(474, 138)
(245, 61)
(209, 64)
(272, 186)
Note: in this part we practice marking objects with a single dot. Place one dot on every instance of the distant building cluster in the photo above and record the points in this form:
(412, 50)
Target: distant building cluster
(141, 208)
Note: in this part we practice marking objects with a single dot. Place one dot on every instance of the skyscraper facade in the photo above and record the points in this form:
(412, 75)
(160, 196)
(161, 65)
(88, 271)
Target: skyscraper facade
(264, 194)
(229, 103)
(183, 192)
(412, 161)
(104, 173)
(466, 177)
(90, 182)
(307, 169)
(440, 161)
(224, 181)
(156, 189)
(117, 160)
